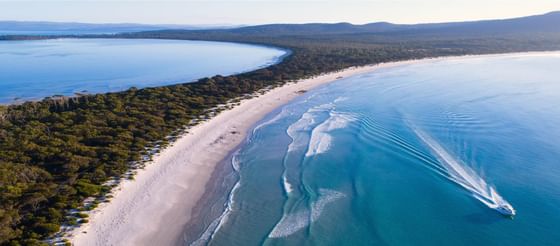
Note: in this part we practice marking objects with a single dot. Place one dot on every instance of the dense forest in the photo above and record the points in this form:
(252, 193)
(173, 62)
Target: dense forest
(57, 152)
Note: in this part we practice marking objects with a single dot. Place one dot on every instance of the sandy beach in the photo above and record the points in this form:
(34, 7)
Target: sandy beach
(153, 208)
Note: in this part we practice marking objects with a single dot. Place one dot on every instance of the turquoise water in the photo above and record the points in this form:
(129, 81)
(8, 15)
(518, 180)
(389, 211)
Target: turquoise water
(37, 69)
(412, 155)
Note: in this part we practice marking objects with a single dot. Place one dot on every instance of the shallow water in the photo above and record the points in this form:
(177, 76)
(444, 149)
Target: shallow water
(406, 156)
(36, 69)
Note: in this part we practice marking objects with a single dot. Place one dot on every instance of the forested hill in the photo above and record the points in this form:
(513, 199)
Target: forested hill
(538, 23)
(537, 26)
(57, 152)
(540, 32)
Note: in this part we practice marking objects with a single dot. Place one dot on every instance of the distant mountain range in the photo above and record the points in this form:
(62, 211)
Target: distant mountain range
(547, 23)
(539, 23)
(67, 28)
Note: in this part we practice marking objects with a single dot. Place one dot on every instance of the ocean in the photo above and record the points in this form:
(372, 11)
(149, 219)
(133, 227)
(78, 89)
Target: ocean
(418, 154)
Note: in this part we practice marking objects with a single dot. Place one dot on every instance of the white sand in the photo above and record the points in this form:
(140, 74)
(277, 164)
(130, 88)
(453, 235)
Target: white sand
(153, 208)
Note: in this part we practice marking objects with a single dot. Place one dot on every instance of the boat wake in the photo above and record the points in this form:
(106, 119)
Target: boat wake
(463, 175)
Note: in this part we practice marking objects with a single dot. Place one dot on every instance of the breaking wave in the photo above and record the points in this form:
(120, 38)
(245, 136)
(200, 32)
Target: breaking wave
(283, 113)
(321, 140)
(294, 222)
(299, 133)
(311, 133)
(288, 187)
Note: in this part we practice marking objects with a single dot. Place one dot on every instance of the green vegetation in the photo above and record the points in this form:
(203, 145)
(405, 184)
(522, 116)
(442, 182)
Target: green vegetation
(57, 152)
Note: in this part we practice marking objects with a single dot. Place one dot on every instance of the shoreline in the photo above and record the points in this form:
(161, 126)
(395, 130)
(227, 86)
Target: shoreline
(136, 213)
(154, 208)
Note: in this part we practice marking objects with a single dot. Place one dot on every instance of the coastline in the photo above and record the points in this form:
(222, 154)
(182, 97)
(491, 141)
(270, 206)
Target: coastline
(163, 194)
(153, 208)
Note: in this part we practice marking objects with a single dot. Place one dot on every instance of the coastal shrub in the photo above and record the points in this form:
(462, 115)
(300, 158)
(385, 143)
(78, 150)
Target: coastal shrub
(71, 221)
(82, 215)
(92, 206)
(87, 189)
(47, 228)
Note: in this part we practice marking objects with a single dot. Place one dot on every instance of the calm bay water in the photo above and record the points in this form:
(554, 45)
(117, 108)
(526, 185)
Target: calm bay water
(408, 155)
(37, 69)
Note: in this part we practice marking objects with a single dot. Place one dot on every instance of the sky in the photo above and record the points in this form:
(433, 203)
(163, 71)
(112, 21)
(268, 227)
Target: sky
(250, 12)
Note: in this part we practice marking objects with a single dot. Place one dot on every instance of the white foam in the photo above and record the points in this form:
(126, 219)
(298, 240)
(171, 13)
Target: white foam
(325, 197)
(294, 222)
(235, 163)
(321, 140)
(297, 131)
(462, 174)
(340, 99)
(290, 224)
(217, 224)
(283, 113)
(288, 187)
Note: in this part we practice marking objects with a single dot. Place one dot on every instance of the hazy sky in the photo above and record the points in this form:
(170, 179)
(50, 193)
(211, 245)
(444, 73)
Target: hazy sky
(270, 11)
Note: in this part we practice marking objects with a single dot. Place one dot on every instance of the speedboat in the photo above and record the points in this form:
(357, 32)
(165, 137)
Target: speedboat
(506, 209)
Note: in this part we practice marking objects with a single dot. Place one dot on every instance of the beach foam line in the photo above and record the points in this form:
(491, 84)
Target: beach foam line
(283, 113)
(321, 138)
(218, 223)
(299, 134)
(288, 187)
(298, 131)
(294, 222)
(303, 133)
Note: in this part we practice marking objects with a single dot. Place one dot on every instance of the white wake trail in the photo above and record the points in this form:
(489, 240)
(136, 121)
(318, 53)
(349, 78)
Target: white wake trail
(462, 174)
